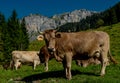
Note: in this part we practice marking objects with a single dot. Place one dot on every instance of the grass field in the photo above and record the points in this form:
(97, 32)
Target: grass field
(55, 74)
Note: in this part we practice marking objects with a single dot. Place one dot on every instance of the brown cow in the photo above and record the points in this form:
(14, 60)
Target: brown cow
(79, 46)
(19, 57)
(45, 56)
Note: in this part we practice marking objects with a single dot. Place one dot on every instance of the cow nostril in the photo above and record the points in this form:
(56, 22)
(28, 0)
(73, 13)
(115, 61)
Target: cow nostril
(51, 49)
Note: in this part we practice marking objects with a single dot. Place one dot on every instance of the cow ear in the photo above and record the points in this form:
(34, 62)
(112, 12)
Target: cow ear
(40, 37)
(58, 35)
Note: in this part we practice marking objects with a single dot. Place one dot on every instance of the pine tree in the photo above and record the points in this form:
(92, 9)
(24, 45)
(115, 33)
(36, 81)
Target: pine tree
(15, 36)
(13, 28)
(3, 34)
(113, 16)
(117, 9)
(99, 23)
(23, 36)
(1, 22)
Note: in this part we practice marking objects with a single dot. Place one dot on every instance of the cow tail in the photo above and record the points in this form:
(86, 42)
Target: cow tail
(112, 58)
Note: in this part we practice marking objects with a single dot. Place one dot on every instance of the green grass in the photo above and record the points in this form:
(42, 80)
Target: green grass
(36, 45)
(55, 74)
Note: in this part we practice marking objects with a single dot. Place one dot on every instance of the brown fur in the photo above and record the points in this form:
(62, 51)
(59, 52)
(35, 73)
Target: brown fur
(45, 56)
(79, 46)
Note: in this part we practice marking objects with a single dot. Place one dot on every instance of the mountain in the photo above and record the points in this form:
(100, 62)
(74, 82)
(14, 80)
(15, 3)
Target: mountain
(36, 23)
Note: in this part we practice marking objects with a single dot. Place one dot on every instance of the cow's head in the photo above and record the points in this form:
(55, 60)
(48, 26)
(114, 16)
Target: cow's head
(49, 37)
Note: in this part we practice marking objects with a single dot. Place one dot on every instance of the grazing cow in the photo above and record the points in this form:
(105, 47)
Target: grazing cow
(19, 57)
(79, 46)
(45, 56)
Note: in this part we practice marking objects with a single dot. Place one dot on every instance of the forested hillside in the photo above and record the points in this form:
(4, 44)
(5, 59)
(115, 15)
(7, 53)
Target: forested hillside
(13, 36)
(107, 17)
(80, 74)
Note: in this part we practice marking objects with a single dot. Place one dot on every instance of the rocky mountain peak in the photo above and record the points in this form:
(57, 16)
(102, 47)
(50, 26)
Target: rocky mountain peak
(36, 22)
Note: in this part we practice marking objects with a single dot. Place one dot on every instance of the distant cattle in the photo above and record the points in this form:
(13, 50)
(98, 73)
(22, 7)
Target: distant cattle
(19, 57)
(79, 46)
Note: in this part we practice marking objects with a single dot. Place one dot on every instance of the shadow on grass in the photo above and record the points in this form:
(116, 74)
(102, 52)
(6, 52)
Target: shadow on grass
(53, 74)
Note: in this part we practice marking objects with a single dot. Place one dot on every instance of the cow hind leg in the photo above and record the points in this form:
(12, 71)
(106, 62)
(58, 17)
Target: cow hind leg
(104, 62)
(17, 64)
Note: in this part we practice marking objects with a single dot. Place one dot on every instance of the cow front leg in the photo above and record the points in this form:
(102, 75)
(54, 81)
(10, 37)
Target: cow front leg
(11, 64)
(17, 64)
(34, 64)
(68, 59)
(58, 58)
(46, 66)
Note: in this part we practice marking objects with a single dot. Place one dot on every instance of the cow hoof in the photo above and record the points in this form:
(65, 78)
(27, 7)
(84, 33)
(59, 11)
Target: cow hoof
(46, 70)
(102, 75)
(69, 77)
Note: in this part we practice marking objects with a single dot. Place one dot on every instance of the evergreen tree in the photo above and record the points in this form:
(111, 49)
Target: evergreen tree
(113, 16)
(23, 36)
(13, 29)
(15, 35)
(99, 23)
(117, 9)
(1, 42)
(3, 26)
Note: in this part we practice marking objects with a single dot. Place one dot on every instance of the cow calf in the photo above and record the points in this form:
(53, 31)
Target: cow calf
(19, 57)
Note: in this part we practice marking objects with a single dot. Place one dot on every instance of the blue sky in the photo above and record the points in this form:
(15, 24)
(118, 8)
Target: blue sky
(51, 7)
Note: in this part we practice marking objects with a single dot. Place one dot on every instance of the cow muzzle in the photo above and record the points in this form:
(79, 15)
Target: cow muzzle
(51, 49)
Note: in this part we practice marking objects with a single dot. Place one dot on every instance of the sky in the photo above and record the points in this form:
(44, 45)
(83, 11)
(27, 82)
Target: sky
(51, 7)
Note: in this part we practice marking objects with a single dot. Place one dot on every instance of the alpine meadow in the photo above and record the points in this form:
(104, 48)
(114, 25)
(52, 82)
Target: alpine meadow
(17, 34)
(55, 74)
